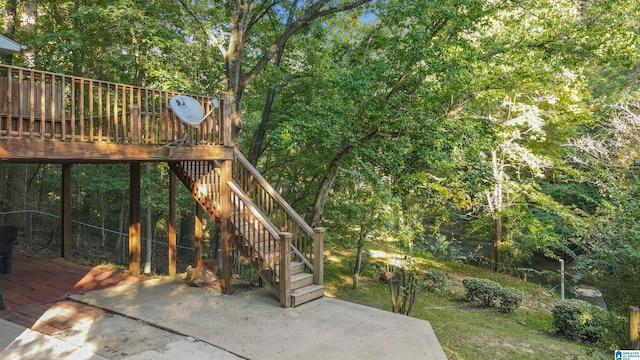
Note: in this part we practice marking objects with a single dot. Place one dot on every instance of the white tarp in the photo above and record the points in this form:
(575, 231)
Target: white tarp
(8, 46)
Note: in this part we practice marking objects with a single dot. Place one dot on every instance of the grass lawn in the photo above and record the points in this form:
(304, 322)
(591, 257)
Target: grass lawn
(466, 331)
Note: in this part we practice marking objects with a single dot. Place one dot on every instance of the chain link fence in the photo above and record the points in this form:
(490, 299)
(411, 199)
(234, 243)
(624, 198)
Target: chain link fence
(40, 235)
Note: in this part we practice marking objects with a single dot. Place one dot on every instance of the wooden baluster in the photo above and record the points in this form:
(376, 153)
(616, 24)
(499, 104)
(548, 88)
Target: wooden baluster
(80, 99)
(63, 111)
(108, 114)
(43, 102)
(73, 109)
(32, 104)
(91, 117)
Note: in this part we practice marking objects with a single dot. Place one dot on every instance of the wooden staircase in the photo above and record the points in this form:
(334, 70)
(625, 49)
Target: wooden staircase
(273, 238)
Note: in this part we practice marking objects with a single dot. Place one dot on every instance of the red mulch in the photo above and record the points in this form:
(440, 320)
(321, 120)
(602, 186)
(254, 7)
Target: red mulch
(37, 285)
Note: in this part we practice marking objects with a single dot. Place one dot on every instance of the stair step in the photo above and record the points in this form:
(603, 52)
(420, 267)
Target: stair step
(296, 268)
(306, 294)
(301, 280)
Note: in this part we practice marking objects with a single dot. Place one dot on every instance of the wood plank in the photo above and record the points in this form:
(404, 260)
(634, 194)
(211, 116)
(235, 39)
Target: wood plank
(37, 151)
(306, 294)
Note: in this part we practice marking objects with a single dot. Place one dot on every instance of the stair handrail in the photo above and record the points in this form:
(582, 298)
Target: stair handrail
(286, 208)
(265, 184)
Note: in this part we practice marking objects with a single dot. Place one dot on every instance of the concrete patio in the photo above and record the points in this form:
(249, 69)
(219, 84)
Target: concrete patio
(166, 319)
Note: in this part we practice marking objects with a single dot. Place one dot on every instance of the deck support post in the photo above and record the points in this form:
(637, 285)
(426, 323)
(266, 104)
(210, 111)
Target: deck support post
(284, 277)
(198, 234)
(134, 218)
(318, 256)
(66, 212)
(172, 223)
(226, 229)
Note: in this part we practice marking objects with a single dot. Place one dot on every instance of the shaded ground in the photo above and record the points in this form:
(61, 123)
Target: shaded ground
(35, 285)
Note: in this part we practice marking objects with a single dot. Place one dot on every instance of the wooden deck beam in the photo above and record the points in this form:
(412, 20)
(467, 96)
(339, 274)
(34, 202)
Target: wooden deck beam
(37, 151)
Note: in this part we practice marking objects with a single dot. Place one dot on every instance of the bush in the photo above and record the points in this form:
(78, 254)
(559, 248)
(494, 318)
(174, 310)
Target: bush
(579, 320)
(490, 294)
(437, 282)
(483, 291)
(510, 300)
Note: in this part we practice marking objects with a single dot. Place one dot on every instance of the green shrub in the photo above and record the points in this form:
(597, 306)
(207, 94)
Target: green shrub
(616, 334)
(437, 282)
(510, 300)
(482, 291)
(579, 320)
(490, 294)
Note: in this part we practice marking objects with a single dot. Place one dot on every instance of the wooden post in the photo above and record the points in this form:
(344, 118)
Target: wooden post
(634, 323)
(172, 223)
(225, 120)
(226, 227)
(318, 256)
(284, 276)
(134, 218)
(66, 211)
(198, 234)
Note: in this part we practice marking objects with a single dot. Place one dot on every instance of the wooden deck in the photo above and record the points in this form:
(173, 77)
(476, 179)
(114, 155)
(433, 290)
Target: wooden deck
(36, 291)
(60, 119)
(55, 118)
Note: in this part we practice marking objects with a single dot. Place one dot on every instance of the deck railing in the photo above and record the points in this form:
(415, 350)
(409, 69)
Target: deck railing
(307, 243)
(43, 105)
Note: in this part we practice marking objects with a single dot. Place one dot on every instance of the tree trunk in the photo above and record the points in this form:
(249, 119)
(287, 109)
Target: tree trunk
(325, 188)
(28, 17)
(359, 249)
(241, 21)
(258, 138)
(497, 241)
(332, 173)
(358, 266)
(9, 15)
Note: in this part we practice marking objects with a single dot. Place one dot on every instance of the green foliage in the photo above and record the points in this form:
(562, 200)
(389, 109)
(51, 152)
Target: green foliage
(488, 293)
(579, 320)
(482, 291)
(437, 282)
(510, 299)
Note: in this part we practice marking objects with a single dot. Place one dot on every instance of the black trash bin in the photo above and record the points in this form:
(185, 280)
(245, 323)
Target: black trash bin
(8, 236)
